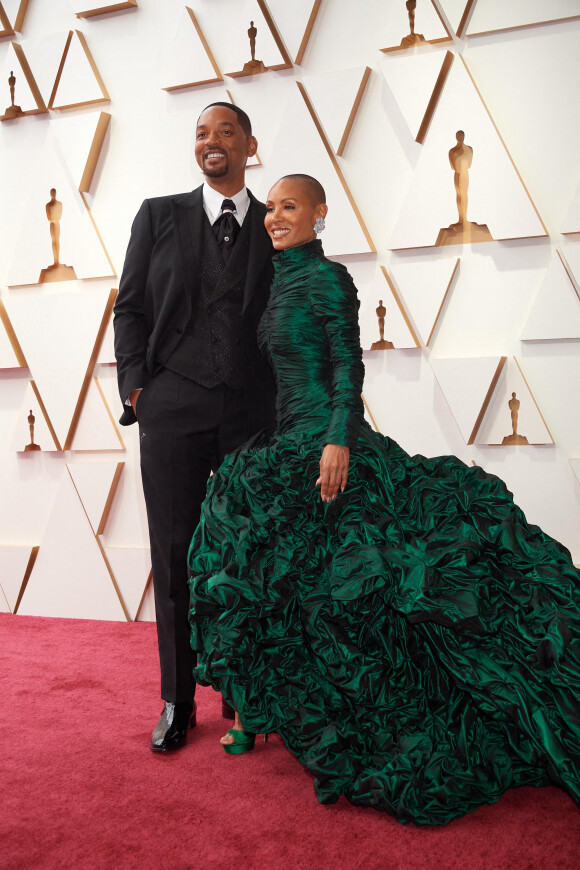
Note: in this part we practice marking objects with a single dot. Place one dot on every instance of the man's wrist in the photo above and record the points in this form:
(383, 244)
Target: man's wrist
(132, 395)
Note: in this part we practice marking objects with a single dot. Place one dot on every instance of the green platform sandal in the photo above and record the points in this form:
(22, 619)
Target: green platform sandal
(243, 742)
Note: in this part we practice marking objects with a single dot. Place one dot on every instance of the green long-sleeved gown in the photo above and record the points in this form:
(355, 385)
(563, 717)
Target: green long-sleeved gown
(416, 643)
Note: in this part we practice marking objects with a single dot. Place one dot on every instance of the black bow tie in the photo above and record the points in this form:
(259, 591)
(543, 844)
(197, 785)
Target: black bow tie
(226, 228)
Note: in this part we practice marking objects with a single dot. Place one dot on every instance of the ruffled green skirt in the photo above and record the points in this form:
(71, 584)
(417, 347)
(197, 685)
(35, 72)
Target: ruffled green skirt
(416, 643)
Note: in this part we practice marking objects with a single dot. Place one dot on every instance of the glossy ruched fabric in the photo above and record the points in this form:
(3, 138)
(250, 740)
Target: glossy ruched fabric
(416, 643)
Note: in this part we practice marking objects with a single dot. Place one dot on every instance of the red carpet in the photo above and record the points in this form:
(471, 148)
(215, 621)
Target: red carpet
(80, 787)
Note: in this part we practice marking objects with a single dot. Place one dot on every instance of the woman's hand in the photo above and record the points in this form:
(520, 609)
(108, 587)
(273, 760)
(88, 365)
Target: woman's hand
(333, 471)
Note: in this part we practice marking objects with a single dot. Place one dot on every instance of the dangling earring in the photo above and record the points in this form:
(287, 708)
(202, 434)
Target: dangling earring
(319, 225)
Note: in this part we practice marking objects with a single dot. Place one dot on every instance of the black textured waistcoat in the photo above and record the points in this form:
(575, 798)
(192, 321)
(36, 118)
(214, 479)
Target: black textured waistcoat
(210, 351)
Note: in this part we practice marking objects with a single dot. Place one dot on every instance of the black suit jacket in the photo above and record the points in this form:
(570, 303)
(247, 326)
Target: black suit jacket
(160, 280)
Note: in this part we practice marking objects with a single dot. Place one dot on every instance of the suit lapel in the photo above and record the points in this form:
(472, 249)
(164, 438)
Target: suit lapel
(188, 216)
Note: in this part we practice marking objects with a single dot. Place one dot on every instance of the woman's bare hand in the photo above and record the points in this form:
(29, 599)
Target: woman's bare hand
(333, 471)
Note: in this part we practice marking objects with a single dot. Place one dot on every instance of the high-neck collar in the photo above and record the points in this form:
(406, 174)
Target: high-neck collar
(309, 250)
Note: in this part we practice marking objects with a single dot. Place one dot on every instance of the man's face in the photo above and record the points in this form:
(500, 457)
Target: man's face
(221, 145)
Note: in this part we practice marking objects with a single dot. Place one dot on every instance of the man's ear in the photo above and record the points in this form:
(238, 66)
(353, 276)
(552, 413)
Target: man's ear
(252, 145)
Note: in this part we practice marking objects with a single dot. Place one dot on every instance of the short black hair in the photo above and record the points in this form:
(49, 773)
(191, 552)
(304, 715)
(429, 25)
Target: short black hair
(315, 188)
(244, 120)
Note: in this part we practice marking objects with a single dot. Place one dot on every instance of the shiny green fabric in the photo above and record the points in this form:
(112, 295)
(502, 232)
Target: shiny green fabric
(416, 643)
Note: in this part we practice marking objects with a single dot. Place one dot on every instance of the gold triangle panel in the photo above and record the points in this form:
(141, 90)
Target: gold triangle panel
(335, 164)
(439, 85)
(90, 368)
(26, 578)
(104, 97)
(354, 111)
(9, 28)
(12, 336)
(218, 77)
(308, 32)
(499, 16)
(14, 112)
(42, 407)
(401, 307)
(95, 152)
(105, 8)
(251, 68)
(427, 17)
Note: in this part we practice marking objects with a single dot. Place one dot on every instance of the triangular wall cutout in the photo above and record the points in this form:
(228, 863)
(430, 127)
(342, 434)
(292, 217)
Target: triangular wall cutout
(497, 427)
(12, 15)
(131, 567)
(80, 139)
(146, 612)
(230, 40)
(468, 386)
(425, 286)
(427, 26)
(497, 198)
(42, 432)
(301, 146)
(190, 62)
(295, 22)
(398, 330)
(336, 97)
(416, 82)
(555, 313)
(457, 13)
(70, 577)
(26, 98)
(62, 361)
(491, 16)
(78, 81)
(11, 355)
(93, 8)
(80, 254)
(96, 484)
(16, 565)
(97, 429)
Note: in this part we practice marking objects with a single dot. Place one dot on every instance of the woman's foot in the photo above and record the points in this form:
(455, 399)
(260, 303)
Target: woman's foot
(228, 739)
(238, 741)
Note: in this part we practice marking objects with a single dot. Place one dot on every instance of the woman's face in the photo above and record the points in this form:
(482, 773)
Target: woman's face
(291, 214)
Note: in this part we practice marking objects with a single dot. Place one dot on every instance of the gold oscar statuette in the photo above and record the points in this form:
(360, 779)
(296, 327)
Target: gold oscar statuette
(413, 38)
(464, 231)
(253, 66)
(32, 445)
(13, 111)
(58, 271)
(514, 438)
(382, 344)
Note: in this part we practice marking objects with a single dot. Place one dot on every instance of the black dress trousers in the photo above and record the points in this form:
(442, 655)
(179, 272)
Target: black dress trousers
(185, 432)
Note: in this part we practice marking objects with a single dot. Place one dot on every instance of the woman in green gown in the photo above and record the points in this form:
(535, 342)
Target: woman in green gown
(395, 619)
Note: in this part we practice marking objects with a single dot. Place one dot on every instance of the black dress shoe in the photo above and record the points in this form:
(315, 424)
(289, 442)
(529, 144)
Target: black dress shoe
(170, 733)
(228, 711)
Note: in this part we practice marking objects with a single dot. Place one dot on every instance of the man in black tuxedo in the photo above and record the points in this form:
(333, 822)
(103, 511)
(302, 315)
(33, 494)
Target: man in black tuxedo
(195, 283)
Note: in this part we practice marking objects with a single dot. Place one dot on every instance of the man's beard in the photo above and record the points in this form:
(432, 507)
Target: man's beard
(216, 171)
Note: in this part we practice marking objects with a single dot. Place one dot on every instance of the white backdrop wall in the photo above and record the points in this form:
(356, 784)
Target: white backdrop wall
(73, 534)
